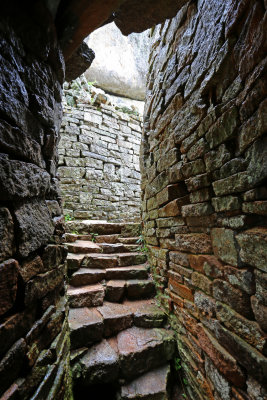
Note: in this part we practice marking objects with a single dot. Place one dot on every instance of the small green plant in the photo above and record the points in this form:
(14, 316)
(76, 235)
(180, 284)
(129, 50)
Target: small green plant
(68, 217)
(75, 233)
(177, 364)
(142, 244)
(91, 83)
(94, 236)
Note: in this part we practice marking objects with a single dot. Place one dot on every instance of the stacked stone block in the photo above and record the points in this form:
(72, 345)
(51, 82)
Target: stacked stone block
(99, 163)
(204, 170)
(34, 338)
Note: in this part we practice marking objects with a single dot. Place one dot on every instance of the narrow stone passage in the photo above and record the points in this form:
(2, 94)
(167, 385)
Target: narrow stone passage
(117, 332)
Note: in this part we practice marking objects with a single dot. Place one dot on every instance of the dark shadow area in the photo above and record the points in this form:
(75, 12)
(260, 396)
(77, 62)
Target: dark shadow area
(99, 392)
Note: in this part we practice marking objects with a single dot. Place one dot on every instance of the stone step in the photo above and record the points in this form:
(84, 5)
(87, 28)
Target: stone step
(117, 317)
(146, 314)
(107, 238)
(115, 291)
(87, 276)
(86, 296)
(154, 385)
(83, 246)
(132, 247)
(142, 349)
(140, 289)
(110, 248)
(128, 240)
(106, 261)
(74, 261)
(89, 325)
(100, 364)
(133, 352)
(102, 261)
(133, 289)
(126, 259)
(131, 272)
(102, 227)
(86, 326)
(93, 227)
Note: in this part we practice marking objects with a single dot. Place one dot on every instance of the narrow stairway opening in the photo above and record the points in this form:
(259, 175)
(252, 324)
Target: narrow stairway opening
(121, 344)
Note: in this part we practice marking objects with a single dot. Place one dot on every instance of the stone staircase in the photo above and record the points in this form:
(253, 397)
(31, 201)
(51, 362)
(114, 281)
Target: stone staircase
(117, 332)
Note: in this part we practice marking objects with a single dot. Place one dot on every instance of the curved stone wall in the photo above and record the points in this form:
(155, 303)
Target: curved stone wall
(204, 170)
(99, 163)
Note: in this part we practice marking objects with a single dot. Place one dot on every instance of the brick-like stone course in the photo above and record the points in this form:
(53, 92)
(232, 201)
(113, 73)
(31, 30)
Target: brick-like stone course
(205, 134)
(99, 162)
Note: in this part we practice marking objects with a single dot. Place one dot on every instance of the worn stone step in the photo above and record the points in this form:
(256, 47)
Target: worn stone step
(109, 248)
(131, 272)
(140, 289)
(128, 240)
(117, 317)
(95, 260)
(83, 246)
(100, 364)
(87, 276)
(86, 296)
(115, 291)
(74, 261)
(146, 314)
(128, 355)
(132, 247)
(107, 238)
(86, 326)
(94, 227)
(154, 385)
(126, 259)
(141, 350)
(102, 261)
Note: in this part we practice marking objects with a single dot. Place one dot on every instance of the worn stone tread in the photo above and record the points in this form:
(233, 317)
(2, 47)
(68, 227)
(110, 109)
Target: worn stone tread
(151, 386)
(100, 364)
(115, 290)
(87, 276)
(117, 317)
(128, 240)
(83, 246)
(140, 288)
(86, 326)
(74, 261)
(86, 296)
(131, 272)
(143, 349)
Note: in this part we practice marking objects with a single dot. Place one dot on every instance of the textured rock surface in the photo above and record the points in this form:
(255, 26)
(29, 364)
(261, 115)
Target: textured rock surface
(121, 63)
(79, 62)
(205, 132)
(34, 355)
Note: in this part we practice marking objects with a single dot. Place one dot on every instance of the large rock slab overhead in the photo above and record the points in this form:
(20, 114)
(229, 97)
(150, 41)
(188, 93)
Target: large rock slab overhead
(120, 66)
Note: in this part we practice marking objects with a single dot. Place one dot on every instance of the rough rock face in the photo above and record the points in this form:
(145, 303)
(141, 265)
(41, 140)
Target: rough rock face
(204, 176)
(76, 19)
(34, 353)
(121, 62)
(81, 60)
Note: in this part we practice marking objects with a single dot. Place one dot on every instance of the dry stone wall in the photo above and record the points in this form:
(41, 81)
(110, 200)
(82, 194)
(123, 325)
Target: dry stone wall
(204, 170)
(99, 162)
(34, 350)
